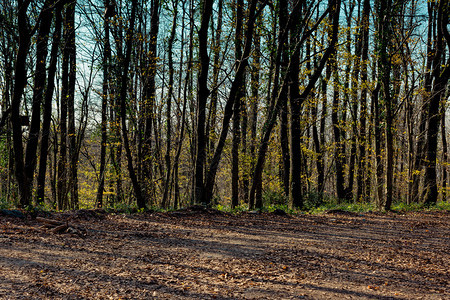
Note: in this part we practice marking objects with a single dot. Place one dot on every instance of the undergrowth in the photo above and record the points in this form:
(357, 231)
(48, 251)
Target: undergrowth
(313, 204)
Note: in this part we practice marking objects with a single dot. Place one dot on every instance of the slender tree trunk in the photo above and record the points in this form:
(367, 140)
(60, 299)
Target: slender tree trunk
(106, 61)
(378, 142)
(5, 126)
(315, 132)
(189, 90)
(254, 83)
(72, 138)
(352, 85)
(20, 80)
(361, 192)
(149, 95)
(115, 150)
(420, 157)
(47, 114)
(182, 121)
(338, 151)
(295, 105)
(212, 116)
(411, 150)
(141, 203)
(318, 148)
(320, 139)
(444, 152)
(170, 93)
(237, 109)
(284, 129)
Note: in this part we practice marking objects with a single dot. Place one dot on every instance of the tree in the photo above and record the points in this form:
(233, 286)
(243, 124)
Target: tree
(441, 76)
(71, 134)
(239, 4)
(385, 16)
(47, 113)
(361, 191)
(202, 97)
(140, 200)
(295, 103)
(170, 96)
(106, 77)
(149, 94)
(283, 65)
(67, 114)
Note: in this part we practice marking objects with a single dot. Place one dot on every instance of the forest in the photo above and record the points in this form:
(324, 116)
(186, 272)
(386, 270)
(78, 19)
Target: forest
(167, 104)
(224, 149)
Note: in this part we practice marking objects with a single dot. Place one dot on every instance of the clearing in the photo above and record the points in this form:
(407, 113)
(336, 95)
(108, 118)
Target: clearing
(206, 254)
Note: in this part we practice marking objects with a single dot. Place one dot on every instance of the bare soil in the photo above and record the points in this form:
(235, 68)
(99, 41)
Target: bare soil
(205, 254)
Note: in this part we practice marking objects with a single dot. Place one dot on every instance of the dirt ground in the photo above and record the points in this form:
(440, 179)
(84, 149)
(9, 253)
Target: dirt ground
(206, 254)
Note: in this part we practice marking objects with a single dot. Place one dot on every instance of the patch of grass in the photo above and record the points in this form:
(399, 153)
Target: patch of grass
(266, 209)
(353, 207)
(4, 204)
(226, 208)
(402, 206)
(126, 208)
(443, 205)
(122, 207)
(46, 205)
(283, 207)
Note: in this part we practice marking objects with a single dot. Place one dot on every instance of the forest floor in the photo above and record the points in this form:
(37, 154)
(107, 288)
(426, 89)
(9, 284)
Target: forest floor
(206, 254)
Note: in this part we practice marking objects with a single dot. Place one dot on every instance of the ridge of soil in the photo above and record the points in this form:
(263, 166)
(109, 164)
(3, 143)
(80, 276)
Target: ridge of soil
(206, 254)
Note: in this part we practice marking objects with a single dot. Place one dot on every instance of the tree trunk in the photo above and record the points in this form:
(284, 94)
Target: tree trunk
(47, 114)
(72, 138)
(140, 200)
(20, 80)
(284, 127)
(384, 11)
(212, 115)
(202, 97)
(38, 93)
(63, 186)
(420, 157)
(237, 109)
(352, 84)
(253, 121)
(444, 152)
(165, 200)
(295, 105)
(106, 61)
(361, 191)
(5, 126)
(148, 104)
(182, 120)
(441, 76)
